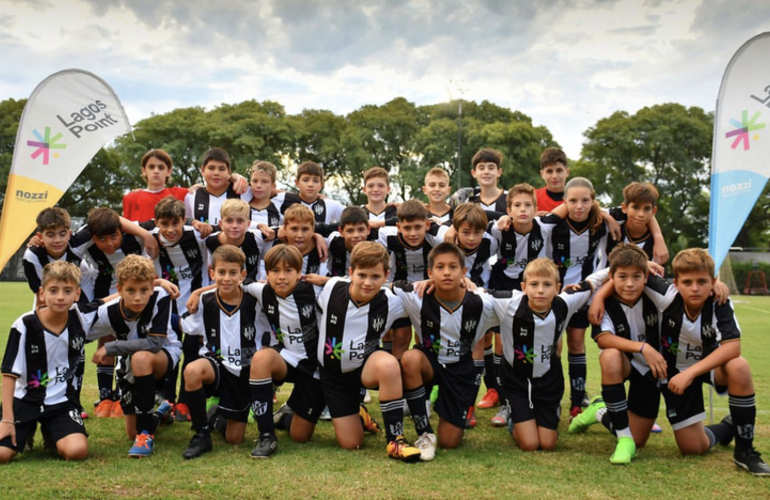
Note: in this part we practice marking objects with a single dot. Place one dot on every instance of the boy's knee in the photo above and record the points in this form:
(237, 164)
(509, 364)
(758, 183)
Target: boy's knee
(611, 360)
(6, 455)
(77, 452)
(410, 361)
(528, 445)
(738, 370)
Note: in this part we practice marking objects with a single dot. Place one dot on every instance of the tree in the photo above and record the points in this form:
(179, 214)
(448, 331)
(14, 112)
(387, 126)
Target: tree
(668, 145)
(10, 115)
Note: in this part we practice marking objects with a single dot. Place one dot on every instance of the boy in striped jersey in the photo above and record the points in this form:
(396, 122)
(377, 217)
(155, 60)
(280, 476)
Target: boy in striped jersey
(50, 342)
(204, 203)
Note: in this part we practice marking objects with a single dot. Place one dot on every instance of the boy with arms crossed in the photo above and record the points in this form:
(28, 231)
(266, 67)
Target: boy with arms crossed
(353, 317)
(49, 341)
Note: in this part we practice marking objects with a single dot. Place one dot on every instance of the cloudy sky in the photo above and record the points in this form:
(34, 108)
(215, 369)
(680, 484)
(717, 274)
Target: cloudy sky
(565, 63)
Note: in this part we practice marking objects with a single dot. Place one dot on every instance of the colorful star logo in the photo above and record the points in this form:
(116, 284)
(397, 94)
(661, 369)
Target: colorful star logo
(44, 144)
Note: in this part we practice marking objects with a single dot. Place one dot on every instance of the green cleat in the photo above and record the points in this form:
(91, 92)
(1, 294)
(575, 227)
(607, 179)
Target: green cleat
(625, 450)
(587, 418)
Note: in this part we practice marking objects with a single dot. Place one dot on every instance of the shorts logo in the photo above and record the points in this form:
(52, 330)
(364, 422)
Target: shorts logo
(75, 416)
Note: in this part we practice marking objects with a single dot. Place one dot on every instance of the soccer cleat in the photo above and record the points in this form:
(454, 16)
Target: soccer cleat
(470, 418)
(266, 445)
(279, 417)
(427, 446)
(400, 449)
(182, 413)
(434, 395)
(370, 425)
(117, 410)
(583, 420)
(325, 415)
(165, 412)
(656, 429)
(751, 460)
(625, 450)
(143, 445)
(574, 412)
(586, 400)
(104, 408)
(729, 421)
(199, 444)
(490, 399)
(502, 416)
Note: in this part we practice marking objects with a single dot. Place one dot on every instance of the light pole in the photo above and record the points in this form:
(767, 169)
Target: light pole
(461, 90)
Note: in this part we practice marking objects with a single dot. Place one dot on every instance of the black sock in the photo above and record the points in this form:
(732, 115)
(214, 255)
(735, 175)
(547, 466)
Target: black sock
(262, 404)
(196, 400)
(190, 346)
(478, 373)
(169, 387)
(489, 369)
(578, 369)
(416, 399)
(393, 418)
(144, 397)
(79, 371)
(744, 412)
(617, 406)
(496, 362)
(607, 422)
(104, 376)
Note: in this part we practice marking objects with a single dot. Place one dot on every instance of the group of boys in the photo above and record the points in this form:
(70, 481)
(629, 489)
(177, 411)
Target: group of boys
(477, 286)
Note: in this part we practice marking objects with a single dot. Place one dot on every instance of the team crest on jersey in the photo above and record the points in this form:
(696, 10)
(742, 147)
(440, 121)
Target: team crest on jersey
(312, 269)
(470, 325)
(192, 253)
(274, 221)
(708, 332)
(75, 416)
(249, 332)
(306, 310)
(536, 245)
(319, 209)
(651, 319)
(77, 343)
(142, 330)
(253, 259)
(378, 324)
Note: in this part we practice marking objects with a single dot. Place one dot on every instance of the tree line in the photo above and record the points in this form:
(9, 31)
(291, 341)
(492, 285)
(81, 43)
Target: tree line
(667, 144)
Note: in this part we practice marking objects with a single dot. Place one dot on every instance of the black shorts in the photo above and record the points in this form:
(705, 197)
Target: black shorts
(401, 323)
(234, 393)
(58, 421)
(457, 388)
(579, 319)
(537, 399)
(643, 394)
(687, 409)
(126, 388)
(342, 391)
(307, 397)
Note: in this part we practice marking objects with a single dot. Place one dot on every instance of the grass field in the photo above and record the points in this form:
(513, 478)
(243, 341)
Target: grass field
(487, 465)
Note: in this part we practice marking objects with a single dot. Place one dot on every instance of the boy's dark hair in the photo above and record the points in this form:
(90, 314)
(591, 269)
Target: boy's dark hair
(310, 168)
(444, 248)
(216, 154)
(471, 214)
(412, 210)
(518, 189)
(228, 254)
(368, 254)
(376, 172)
(487, 155)
(52, 218)
(60, 271)
(624, 255)
(169, 208)
(103, 221)
(693, 260)
(288, 255)
(135, 267)
(640, 192)
(353, 215)
(552, 156)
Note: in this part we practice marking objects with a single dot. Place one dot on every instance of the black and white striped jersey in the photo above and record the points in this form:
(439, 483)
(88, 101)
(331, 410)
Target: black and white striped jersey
(577, 252)
(516, 250)
(44, 363)
(406, 263)
(448, 333)
(270, 215)
(254, 247)
(478, 261)
(230, 335)
(645, 242)
(444, 219)
(293, 322)
(349, 332)
(499, 205)
(324, 209)
(338, 262)
(206, 207)
(184, 263)
(530, 339)
(685, 340)
(36, 258)
(105, 281)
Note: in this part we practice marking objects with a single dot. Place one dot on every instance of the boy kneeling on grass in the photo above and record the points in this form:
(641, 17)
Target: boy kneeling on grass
(47, 341)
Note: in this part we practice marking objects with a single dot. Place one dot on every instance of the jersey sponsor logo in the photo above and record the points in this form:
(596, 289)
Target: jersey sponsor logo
(34, 348)
(669, 345)
(270, 309)
(333, 348)
(524, 354)
(431, 343)
(39, 379)
(694, 352)
(240, 357)
(201, 207)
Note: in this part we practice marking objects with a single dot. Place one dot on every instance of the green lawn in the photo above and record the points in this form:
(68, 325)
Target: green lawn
(487, 465)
